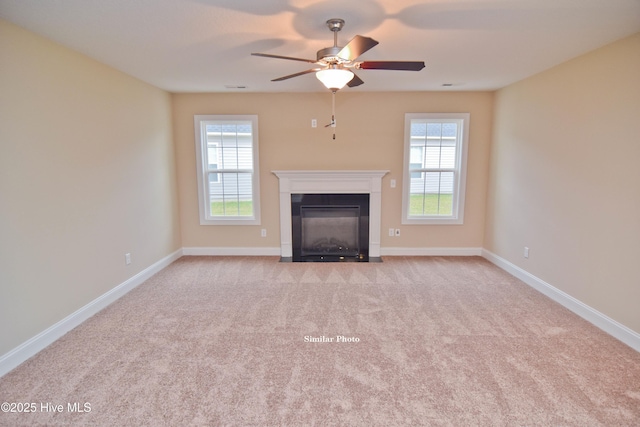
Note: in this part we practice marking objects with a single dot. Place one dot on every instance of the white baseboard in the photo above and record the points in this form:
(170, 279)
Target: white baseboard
(393, 251)
(608, 325)
(230, 251)
(275, 251)
(29, 348)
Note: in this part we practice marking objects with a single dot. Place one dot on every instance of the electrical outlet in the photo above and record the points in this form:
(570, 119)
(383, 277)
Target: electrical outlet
(127, 258)
(393, 183)
(392, 232)
(314, 123)
(263, 232)
(526, 252)
(397, 232)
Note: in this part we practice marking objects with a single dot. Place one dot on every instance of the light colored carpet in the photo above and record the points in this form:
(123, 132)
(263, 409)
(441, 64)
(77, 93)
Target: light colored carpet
(442, 342)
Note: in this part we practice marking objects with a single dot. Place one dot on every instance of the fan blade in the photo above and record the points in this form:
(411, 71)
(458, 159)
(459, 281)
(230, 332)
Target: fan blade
(356, 47)
(355, 81)
(266, 55)
(391, 65)
(302, 73)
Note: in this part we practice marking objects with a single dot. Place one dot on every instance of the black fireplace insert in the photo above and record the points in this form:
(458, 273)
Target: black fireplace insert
(330, 227)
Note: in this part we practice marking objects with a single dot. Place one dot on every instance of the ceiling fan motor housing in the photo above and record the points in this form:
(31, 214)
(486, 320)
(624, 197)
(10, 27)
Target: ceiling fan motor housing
(329, 54)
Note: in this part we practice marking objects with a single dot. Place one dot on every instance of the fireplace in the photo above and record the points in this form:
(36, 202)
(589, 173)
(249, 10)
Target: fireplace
(330, 227)
(334, 182)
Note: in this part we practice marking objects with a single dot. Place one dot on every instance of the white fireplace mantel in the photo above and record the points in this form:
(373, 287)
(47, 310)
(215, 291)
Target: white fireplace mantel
(338, 181)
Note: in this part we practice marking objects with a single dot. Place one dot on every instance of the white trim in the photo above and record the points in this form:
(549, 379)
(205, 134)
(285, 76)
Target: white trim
(230, 251)
(394, 251)
(608, 325)
(31, 347)
(275, 251)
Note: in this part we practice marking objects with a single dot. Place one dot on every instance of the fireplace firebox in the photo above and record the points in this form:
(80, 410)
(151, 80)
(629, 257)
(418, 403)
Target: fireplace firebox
(330, 227)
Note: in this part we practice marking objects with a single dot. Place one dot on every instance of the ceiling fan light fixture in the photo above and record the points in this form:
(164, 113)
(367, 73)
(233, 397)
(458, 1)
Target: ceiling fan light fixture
(334, 78)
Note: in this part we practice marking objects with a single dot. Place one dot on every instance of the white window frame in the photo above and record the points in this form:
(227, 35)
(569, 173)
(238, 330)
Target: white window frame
(459, 170)
(202, 172)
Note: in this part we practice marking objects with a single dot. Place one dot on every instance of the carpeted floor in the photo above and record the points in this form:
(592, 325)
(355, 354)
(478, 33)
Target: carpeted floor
(249, 341)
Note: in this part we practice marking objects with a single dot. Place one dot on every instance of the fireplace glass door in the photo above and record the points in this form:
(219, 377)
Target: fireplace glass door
(330, 231)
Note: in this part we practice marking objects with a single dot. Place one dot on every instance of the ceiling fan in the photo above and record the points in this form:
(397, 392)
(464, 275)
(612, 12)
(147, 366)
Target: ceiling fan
(335, 63)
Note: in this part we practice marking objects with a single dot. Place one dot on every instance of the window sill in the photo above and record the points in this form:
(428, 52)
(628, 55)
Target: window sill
(230, 221)
(432, 221)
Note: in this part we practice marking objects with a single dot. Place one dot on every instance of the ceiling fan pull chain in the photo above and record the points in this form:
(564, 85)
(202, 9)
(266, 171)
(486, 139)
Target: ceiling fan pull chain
(333, 113)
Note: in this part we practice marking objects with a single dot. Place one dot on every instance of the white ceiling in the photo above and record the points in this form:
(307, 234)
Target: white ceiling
(206, 45)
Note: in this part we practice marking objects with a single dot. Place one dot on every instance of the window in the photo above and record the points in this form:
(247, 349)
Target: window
(227, 156)
(434, 168)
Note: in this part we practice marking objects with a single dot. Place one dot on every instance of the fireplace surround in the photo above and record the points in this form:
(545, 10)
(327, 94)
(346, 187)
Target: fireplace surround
(330, 182)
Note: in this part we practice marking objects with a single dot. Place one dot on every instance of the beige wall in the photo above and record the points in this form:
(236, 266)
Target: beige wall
(565, 179)
(369, 135)
(87, 173)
